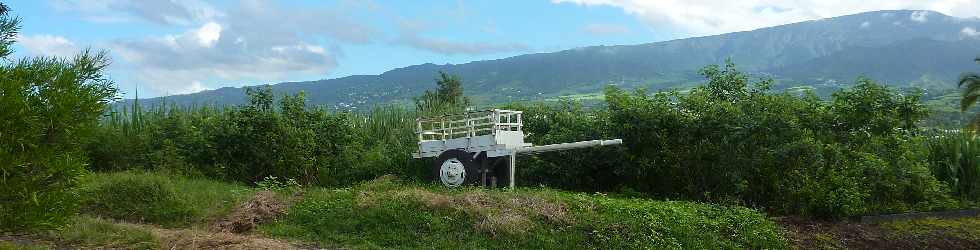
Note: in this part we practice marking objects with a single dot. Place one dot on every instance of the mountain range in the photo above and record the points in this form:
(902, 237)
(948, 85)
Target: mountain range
(902, 48)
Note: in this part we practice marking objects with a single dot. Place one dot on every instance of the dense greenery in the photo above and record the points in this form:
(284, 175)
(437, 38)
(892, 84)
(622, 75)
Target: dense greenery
(250, 142)
(854, 154)
(970, 82)
(730, 140)
(386, 213)
(448, 97)
(48, 106)
(954, 158)
(160, 199)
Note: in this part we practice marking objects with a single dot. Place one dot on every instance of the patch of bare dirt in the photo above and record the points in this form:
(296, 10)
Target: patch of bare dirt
(809, 234)
(264, 206)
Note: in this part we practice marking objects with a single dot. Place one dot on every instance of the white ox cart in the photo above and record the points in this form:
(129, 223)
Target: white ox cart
(481, 147)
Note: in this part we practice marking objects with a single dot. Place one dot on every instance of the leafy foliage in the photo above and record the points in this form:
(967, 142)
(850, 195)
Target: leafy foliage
(159, 198)
(727, 141)
(448, 97)
(955, 159)
(267, 137)
(731, 141)
(49, 107)
(970, 82)
(583, 169)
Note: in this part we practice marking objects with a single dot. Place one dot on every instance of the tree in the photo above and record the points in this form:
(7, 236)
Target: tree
(448, 97)
(970, 82)
(48, 106)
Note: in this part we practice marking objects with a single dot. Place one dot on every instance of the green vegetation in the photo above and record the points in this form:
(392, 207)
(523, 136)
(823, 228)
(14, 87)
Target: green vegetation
(95, 232)
(954, 158)
(854, 154)
(250, 142)
(387, 213)
(138, 200)
(165, 200)
(860, 152)
(49, 105)
(11, 246)
(728, 149)
(970, 82)
(965, 228)
(447, 99)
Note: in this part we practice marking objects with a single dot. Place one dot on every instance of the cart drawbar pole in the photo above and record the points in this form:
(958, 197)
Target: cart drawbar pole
(570, 145)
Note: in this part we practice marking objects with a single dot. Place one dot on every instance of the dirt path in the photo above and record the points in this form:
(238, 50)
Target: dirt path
(808, 234)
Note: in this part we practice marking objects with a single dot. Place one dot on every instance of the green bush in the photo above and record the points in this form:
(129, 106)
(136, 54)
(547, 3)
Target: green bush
(856, 154)
(590, 169)
(159, 198)
(137, 198)
(955, 159)
(49, 106)
(260, 139)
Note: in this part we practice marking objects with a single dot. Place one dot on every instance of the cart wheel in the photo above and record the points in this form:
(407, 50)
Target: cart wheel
(455, 168)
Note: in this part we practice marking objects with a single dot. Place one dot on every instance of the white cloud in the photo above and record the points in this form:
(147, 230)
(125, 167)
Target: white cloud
(181, 63)
(208, 34)
(919, 16)
(708, 17)
(47, 45)
(865, 24)
(195, 87)
(970, 32)
(252, 41)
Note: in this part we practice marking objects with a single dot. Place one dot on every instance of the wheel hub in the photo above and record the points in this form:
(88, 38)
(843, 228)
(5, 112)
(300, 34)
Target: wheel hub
(452, 173)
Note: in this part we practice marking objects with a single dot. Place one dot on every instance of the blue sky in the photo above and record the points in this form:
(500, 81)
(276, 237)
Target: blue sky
(165, 47)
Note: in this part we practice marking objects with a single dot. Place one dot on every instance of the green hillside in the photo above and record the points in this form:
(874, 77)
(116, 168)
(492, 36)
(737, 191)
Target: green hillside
(884, 45)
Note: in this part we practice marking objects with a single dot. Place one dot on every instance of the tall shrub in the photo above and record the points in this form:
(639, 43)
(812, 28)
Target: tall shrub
(49, 106)
(735, 140)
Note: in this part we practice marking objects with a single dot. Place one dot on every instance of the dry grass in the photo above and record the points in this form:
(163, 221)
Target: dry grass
(193, 239)
(492, 212)
(263, 207)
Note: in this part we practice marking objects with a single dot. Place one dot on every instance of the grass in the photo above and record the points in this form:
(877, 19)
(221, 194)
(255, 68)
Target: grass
(965, 228)
(89, 232)
(387, 213)
(11, 246)
(95, 232)
(158, 198)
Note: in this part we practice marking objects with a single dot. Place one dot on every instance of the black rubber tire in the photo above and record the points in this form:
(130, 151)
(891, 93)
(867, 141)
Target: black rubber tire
(471, 168)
